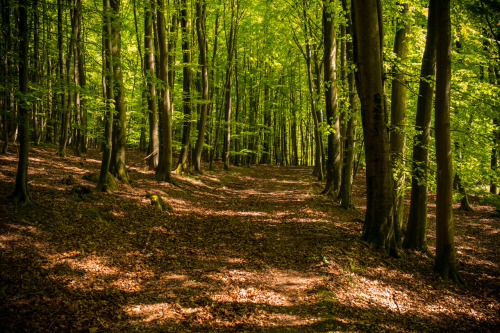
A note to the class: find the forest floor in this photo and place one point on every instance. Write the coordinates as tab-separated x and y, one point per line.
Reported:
250	249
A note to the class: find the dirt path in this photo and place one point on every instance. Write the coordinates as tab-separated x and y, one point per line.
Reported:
252	249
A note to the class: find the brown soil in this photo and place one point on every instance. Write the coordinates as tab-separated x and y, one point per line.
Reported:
250	249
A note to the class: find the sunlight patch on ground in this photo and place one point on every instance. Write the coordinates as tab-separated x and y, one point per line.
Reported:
8	238
93	264
128	285
157	312
260	317
251	295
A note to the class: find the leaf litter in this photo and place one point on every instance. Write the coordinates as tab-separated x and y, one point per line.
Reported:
249	249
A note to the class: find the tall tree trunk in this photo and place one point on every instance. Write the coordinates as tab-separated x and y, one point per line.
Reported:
163	172
21	194
494	156
318	167
203	62
415	237
149	65
102	184
350	135
63	106
334	162
182	165
82	78
6	69
379	221
228	87
118	151
398	120
444	263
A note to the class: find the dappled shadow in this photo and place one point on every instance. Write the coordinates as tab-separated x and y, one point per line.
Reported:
252	249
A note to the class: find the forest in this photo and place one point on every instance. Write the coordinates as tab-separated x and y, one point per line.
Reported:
249	165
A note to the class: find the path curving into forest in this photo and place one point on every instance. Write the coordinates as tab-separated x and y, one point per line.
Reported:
249	249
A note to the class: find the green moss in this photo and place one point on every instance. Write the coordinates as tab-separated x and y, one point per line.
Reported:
159	203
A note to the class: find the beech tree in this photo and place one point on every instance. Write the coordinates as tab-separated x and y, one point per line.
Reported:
334	162
378	228
444	263
416	233
21	194
165	156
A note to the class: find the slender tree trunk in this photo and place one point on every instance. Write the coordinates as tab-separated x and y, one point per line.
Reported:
118	151
149	67
415	237
6	79
21	194
350	133
379	221
318	168
398	120
163	172
334	163
82	78
494	156
63	106
228	87
445	263
102	184
182	165
203	62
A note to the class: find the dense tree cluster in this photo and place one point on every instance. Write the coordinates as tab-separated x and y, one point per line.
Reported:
271	82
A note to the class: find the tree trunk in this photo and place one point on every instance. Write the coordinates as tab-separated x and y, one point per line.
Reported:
21	194
82	78
107	74
182	165
6	68
118	151
202	43
444	263
149	64
398	120
318	167
350	135
228	87
415	237
63	106
163	172
494	157
334	162
379	221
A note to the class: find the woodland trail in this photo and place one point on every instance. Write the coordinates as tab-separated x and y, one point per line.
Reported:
252	249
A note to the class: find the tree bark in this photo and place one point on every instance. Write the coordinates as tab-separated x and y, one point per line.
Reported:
63	106
107	74
119	148
398	120
149	64
182	165
350	135
202	43
379	221
415	237
163	172
228	87
21	195
334	162
318	167
445	263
